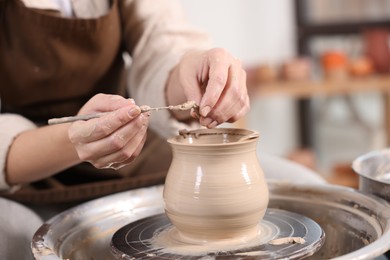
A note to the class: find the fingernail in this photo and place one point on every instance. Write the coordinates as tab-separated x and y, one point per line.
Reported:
134	111
206	121
213	124
205	111
131	100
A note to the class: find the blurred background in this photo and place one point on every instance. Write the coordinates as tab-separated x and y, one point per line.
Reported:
318	75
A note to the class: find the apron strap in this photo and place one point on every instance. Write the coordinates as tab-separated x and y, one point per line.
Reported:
2	8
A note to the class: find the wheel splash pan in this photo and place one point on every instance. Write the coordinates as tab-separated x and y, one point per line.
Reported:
357	226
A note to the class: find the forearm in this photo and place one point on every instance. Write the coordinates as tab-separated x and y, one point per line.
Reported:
39	153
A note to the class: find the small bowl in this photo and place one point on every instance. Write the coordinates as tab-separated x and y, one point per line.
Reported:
373	169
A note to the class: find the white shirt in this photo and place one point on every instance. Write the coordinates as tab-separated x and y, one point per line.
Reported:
156	32
72	8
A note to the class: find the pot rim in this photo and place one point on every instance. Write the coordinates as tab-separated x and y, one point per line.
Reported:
247	135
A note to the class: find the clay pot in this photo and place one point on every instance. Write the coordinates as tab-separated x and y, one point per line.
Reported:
215	188
297	69
377	48
266	73
335	65
361	66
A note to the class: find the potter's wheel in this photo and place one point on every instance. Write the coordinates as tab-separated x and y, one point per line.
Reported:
357	226
135	240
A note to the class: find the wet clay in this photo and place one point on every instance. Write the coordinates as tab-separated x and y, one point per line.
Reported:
181	107
215	192
287	240
169	241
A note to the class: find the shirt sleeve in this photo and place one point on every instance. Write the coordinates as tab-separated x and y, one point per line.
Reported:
11	125
157	34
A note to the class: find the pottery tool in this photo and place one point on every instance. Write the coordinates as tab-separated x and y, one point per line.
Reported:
144	108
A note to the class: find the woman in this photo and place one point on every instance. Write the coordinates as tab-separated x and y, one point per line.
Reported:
59	56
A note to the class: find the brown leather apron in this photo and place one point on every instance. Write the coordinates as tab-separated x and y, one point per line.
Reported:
50	66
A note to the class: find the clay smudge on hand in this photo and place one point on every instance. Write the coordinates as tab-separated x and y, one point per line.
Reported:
87	131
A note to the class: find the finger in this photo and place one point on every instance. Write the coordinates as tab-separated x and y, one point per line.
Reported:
227	104
125	155
106	103
114	142
243	107
235	96
117	166
241	113
233	101
217	79
95	129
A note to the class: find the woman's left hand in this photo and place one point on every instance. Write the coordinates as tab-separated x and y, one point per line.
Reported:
216	81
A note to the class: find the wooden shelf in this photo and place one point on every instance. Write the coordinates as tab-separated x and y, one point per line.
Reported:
308	89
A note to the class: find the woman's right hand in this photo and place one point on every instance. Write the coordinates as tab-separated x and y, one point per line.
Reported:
113	140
